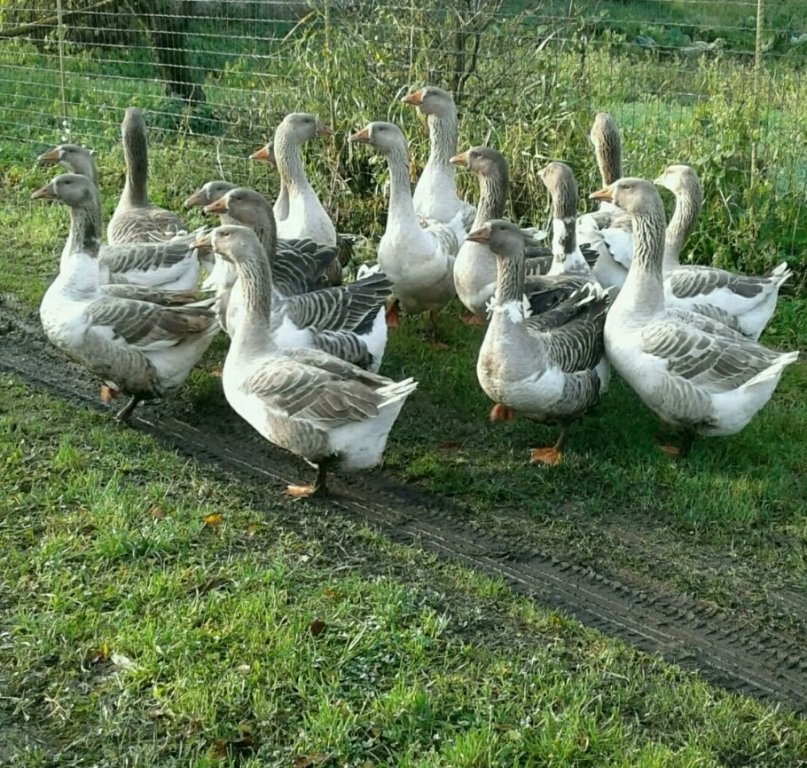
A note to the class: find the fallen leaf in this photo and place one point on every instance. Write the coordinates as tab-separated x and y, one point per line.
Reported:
123	662
214	518
156	512
252	529
309	761
316	627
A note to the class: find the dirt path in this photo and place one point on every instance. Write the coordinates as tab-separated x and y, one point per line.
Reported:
734	653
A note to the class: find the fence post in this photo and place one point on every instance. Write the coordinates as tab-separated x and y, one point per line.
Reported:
757	67
62	90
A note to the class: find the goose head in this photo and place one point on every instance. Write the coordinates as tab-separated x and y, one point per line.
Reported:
680	180
483	161
302	126
502	237
637	197
431	100
208	193
71	156
71	189
245	205
265	154
385	137
234	243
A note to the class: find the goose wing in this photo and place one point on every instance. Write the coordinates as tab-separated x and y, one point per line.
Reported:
705	352
299	265
144	257
148	326
691	281
155	295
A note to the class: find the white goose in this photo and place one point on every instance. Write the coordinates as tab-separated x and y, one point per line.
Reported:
75	158
692	371
135	219
745	302
309	402
418	261
347	321
548	367
435	197
143	349
306	216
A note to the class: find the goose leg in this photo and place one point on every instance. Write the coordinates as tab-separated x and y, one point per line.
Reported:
124	413
681	451
472	319
435	342
318	488
501	412
553	455
393	314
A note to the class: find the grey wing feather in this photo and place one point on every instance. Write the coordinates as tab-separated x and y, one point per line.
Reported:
156	296
687	282
543	293
705	352
300	265
120	259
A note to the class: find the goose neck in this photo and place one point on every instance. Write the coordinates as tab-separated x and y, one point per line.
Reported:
609	159
135	153
252	337
289	161
687	208
85	231
492	198
510	279
644	287
443	133
401	206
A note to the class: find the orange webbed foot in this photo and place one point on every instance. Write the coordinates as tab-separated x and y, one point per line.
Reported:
671	450
393	315
551	456
472	319
107	393
438	346
501	412
301	491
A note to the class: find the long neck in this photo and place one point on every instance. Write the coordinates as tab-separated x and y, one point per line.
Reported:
687	208
609	159
264	228
644	287
564	236
510	282
135	152
253	337
401	207
443	131
289	160
85	231
492	198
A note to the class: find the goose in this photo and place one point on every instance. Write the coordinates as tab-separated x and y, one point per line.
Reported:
691	370
138	347
435	197
135	219
167	266
475	271
549	367
75	158
303	400
306	216
347	321
608	229
208	193
567	257
419	261
744	302
266	154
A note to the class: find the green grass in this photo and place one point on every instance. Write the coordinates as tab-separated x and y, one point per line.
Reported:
155	614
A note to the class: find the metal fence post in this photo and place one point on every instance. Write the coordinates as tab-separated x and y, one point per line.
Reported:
62	90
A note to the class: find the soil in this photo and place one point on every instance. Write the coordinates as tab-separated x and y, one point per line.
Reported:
622	579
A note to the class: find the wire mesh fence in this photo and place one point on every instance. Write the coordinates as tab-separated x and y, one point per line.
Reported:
718	85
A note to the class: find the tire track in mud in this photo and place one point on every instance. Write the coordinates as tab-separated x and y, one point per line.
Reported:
680	628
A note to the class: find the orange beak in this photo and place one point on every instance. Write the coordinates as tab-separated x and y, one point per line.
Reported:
217	206
203	241
360	137
324	130
44	193
51	157
460	159
481	235
196	200
602	194
415	98
262	154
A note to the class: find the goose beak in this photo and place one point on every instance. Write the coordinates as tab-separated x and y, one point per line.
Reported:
51	157
203	241
217	206
460	159
44	193
262	154
360	137
324	130
481	235
659	180
196	200
602	194
415	99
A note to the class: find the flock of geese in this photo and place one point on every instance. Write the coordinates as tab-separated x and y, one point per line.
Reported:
305	350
